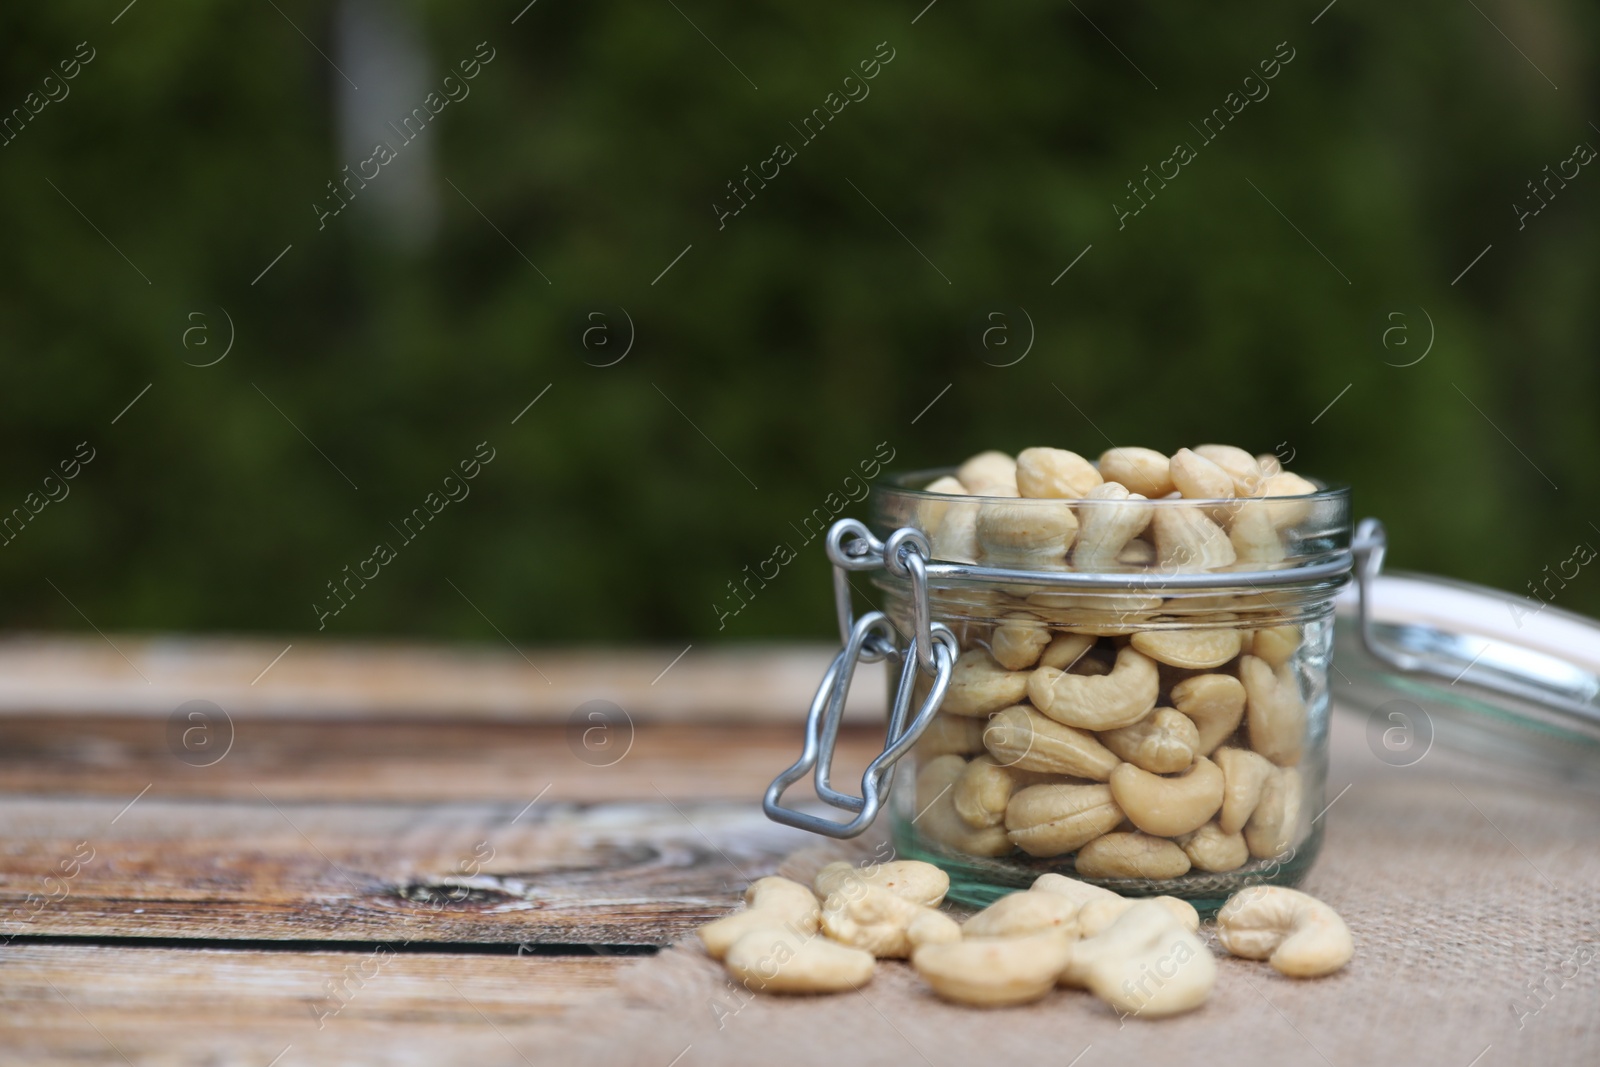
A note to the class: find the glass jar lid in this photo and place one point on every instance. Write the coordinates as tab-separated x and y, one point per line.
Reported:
1476	669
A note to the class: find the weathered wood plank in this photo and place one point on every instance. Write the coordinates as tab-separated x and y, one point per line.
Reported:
329	680
547	871
110	757
70	1004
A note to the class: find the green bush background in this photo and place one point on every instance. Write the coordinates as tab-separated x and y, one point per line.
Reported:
801	335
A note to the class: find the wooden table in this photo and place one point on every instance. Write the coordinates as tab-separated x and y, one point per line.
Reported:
398	855
433	856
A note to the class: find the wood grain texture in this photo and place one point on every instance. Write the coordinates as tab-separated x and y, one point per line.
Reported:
410	761
561	872
71	1004
330	680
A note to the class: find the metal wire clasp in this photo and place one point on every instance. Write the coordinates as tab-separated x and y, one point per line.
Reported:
932	650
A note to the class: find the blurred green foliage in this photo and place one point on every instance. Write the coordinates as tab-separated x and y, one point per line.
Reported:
800	336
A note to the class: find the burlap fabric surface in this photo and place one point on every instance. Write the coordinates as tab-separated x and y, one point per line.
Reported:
1472	896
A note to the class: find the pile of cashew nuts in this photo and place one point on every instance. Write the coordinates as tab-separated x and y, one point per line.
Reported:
1148	737
1142	957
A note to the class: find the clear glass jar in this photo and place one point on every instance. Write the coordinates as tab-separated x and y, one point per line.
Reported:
1141	695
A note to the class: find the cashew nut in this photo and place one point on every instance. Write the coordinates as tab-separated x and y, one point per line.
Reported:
1049	820
1018	640
1031	534
1241	466
1216	704
1272	826
1198	478
1137	553
1273	710
1189	648
772	903
1275	644
1166	807
931	513
1244	775
979	685
1297	933
1019	914
936	816
1054	472
783	961
1141	470
1146	963
918	882
987	470
994	971
1120	698
1108	525
1288	512
1022	738
883	923
1080	893
1188	540
1270	464
1095	917
1209	849
960	734
955	537
1163	742
1118	855
1065	649
1254	535
984	789
1099	614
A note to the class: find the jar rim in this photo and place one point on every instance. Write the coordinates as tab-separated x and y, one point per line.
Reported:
912	485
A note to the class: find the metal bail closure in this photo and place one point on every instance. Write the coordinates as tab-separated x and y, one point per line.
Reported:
932	651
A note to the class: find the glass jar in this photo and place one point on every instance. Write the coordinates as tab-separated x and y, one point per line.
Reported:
1133	693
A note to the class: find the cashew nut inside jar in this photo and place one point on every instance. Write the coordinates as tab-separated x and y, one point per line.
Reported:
1134	651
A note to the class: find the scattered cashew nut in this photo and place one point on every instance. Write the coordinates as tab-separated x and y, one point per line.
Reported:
1297	933
1146	963
1030	912
994	971
879	921
772	903
783	961
913	880
1095	917
1080	893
